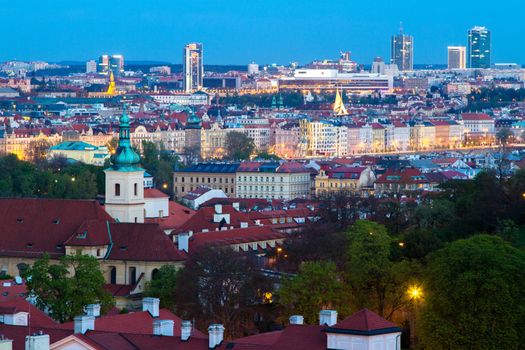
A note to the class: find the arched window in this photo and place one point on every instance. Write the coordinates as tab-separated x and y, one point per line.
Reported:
132	275
154	274
112	275
117	190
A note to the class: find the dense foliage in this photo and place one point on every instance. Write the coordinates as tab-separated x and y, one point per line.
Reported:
67	287
475	296
239	146
55	178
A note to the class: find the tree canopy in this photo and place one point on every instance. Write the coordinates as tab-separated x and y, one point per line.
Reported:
474	296
317	286
238	146
67	287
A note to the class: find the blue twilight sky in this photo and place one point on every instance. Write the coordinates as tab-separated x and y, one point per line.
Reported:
266	31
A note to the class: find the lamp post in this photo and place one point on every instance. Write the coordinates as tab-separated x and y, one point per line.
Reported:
415	294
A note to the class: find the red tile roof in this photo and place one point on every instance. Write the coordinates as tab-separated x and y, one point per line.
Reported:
154	193
31	227
476	116
129	241
19	304
178	215
135	323
203	219
365	321
233	236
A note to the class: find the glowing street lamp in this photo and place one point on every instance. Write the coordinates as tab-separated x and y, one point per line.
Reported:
415	292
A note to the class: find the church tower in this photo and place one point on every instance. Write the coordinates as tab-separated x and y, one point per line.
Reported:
125	180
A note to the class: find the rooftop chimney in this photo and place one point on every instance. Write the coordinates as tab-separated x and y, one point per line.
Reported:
185	330
82	324
93	310
215	335
327	317
183	241
163	327
151	305
296	319
218	208
38	341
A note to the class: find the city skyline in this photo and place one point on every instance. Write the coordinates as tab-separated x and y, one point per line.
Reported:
259	31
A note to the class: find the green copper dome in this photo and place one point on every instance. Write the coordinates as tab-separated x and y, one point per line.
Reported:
125	157
193	121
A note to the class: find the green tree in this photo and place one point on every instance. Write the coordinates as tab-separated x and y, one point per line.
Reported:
238	146
376	281
37	150
474	296
317	286
163	286
220	286
67	287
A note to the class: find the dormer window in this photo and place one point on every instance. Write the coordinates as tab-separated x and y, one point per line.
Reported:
30	245
20	220
82	235
56	221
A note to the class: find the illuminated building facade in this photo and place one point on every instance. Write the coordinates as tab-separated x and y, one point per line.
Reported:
193	68
332	80
402	51
479	48
457	57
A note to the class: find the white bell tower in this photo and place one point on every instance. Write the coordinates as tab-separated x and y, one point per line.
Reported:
125	180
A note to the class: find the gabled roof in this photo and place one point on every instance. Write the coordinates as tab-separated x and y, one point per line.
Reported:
203	219
129	240
135	323
233	236
364	322
31	227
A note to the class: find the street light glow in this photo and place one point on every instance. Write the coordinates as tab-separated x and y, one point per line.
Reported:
415	292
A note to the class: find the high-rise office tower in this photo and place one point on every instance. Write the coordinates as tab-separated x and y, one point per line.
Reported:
193	67
91	66
402	52
103	64
478	55
113	63
116	64
457	57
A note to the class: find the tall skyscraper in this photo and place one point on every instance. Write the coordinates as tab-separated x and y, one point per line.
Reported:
113	63
478	55
103	64
402	52
193	68
116	64
457	57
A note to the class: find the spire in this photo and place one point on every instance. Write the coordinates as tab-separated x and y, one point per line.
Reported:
111	88
339	106
124	156
274	102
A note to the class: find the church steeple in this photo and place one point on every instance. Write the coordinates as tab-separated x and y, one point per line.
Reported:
124	156
125	179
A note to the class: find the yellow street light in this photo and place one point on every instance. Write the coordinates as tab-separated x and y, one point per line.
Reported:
415	292
279	249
